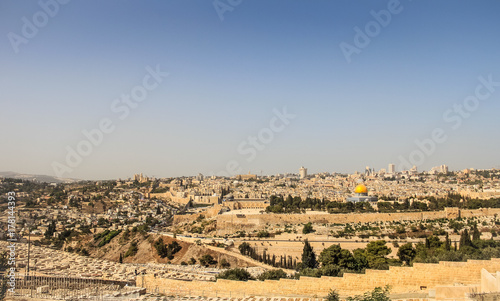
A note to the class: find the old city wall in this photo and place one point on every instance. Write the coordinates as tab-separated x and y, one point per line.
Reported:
401	279
209	213
250	222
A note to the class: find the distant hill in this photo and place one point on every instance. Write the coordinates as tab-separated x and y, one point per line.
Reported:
38	178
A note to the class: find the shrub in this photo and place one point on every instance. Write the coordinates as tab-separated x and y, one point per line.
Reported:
224	263
272	275
235	274
308	228
206	260
132	250
378	294
166	250
108	237
262	234
333	296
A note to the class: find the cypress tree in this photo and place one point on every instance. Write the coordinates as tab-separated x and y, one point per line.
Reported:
476	235
447	243
308	256
465	239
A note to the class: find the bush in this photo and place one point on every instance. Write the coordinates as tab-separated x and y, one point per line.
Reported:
333	296
224	263
109	235
235	274
166	250
262	234
245	248
378	294
132	250
206	260
272	275
308	228
308	272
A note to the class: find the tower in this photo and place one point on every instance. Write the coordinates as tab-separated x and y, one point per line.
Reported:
392	169
303	172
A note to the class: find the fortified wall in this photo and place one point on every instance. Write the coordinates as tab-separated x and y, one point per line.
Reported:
419	278
250	222
188	218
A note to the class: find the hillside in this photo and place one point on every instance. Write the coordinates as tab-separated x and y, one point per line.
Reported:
145	252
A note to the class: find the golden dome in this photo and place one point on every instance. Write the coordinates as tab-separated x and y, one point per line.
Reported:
361	189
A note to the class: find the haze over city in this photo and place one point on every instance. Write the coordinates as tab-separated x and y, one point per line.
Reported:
206	80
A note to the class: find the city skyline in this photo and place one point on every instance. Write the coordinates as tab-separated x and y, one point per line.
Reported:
106	90
301	173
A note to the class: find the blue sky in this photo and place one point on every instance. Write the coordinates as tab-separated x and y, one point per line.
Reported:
227	76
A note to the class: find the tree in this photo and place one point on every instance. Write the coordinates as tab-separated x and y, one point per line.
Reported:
161	248
50	230
263	234
272	275
360	259
166	250
207	260
335	255
120	260
330	255
476	235
308	256
245	248
235	274
308	228
447	243
331	270
465	240
407	253
377	248
224	263
333	296
375	254
132	250
433	242
378	294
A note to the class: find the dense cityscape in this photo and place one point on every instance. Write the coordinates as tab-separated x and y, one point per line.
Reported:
233	150
204	228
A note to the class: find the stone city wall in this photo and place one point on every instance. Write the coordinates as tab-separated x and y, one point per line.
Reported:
418	278
250	222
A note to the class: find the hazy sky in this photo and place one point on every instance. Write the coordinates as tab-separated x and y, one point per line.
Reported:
363	80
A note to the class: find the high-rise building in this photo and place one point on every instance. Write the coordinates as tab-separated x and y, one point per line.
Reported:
303	172
392	169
